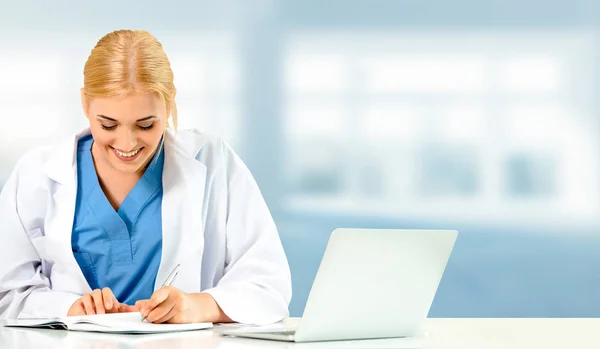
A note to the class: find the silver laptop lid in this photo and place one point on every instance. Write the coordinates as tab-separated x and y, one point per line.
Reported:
375	283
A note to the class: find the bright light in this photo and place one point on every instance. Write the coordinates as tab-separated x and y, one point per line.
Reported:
426	73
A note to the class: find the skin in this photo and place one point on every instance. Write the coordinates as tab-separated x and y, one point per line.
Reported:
129	124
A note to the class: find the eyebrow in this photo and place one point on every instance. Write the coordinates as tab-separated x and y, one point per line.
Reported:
138	120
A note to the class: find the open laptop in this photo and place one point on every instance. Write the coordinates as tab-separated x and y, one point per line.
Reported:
371	283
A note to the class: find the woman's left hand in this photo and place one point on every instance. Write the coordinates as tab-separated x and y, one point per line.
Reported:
171	305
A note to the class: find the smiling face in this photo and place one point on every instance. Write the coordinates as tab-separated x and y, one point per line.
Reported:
127	130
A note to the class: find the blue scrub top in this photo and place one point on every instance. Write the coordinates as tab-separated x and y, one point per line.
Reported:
118	249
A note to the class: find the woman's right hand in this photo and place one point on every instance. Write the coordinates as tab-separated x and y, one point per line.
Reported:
99	302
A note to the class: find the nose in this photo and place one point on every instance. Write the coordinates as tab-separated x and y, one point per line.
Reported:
126	141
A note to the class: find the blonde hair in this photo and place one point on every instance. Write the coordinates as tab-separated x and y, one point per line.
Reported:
125	61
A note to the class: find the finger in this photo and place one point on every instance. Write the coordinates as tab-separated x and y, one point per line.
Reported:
141	303
98	301
161	311
169	317
109	299
77	309
82	307
157	298
141	306
88	304
125	308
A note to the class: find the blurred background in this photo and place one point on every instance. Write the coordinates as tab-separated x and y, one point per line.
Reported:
480	116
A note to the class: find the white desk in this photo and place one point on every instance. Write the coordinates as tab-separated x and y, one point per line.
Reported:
438	333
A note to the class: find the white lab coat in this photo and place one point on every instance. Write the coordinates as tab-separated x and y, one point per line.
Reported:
215	223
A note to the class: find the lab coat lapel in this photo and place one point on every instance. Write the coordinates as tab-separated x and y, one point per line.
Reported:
182	232
62	169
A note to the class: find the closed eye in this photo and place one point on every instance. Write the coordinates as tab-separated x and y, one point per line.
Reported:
108	128
145	128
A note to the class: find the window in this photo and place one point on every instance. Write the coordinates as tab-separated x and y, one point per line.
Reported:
458	125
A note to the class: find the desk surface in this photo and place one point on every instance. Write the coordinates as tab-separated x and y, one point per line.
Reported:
437	333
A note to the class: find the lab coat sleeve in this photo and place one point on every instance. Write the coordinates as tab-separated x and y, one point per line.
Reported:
24	290
256	286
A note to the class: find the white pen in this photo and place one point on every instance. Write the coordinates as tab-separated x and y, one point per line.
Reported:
168	281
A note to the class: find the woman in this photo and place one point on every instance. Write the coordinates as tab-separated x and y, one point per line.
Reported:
96	223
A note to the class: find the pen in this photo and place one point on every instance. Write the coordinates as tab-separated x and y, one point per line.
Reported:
168	281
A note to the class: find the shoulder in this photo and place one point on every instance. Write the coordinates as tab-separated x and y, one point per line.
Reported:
212	151
193	141
209	149
53	161
29	184
32	165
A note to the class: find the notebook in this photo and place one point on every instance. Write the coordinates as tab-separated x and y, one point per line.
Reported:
110	323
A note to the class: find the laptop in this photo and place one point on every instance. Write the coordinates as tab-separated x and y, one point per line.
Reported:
371	283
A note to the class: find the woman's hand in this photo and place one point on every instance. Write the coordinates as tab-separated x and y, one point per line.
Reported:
99	302
171	305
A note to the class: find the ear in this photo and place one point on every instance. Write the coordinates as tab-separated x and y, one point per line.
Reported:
85	104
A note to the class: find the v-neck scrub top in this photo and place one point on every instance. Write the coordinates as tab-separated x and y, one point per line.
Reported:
118	249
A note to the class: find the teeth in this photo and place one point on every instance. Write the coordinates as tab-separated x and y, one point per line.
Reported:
127	155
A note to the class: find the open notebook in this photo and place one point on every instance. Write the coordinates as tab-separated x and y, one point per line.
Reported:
113	323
